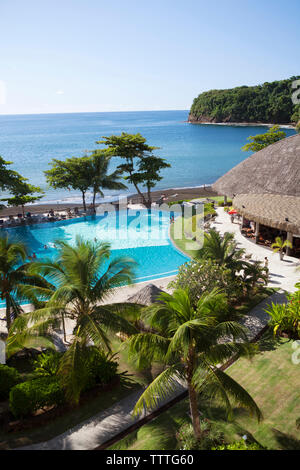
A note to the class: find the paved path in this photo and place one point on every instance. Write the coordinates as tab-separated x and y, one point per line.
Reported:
100	428
282	274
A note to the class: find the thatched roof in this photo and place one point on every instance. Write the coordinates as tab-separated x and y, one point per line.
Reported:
275	170
271	210
146	296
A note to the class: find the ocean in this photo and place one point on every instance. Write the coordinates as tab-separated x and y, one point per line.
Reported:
198	154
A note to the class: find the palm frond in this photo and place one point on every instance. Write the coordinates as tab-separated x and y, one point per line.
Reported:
162	387
72	369
217	384
146	348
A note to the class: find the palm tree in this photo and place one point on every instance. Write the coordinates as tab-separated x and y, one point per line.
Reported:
221	249
188	342
99	163
279	245
84	278
17	284
252	274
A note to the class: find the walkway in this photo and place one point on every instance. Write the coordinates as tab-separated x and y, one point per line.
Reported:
282	274
101	427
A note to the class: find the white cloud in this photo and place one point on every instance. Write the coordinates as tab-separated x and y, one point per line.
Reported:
60	92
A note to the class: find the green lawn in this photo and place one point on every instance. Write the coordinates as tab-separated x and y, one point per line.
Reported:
273	381
181	241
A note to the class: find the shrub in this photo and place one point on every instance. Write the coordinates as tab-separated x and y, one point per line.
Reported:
239	445
222	204
9	377
102	369
201	275
47	364
211	436
30	396
285	318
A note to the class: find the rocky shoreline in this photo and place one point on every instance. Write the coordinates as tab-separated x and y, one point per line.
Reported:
209	121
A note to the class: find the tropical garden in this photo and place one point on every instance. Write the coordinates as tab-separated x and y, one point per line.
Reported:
78	343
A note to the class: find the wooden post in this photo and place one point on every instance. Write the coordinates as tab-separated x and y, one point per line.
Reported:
256	231
225	200
290	239
2	351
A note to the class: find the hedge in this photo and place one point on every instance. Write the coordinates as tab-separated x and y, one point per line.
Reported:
28	397
9	377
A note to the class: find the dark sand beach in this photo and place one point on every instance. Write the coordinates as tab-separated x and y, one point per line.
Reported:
175	194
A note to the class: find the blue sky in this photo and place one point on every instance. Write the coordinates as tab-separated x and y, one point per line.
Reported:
117	55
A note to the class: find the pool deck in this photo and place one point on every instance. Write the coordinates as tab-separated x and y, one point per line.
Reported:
120	294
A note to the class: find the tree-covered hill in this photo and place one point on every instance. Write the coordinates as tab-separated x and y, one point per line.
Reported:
267	103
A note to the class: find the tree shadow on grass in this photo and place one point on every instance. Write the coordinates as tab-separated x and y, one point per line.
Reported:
286	441
268	342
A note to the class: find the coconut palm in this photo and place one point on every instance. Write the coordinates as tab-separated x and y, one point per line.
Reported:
221	249
98	167
188	342
17	284
84	277
280	245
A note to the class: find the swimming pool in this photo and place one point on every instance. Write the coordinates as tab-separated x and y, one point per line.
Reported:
141	235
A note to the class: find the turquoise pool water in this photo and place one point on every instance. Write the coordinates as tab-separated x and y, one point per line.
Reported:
140	235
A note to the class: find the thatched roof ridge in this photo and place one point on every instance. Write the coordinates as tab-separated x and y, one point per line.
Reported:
146	296
274	170
271	210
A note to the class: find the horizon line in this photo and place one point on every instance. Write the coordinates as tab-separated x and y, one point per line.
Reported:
94	112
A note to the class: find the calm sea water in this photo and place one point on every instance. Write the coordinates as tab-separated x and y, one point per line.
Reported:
199	154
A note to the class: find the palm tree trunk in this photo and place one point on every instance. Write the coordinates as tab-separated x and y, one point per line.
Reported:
94	200
194	411
64	327
193	394
8	312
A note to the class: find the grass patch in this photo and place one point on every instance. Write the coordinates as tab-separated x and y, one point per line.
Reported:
179	234
185	232
272	380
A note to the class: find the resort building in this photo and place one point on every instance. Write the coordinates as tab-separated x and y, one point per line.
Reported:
265	189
